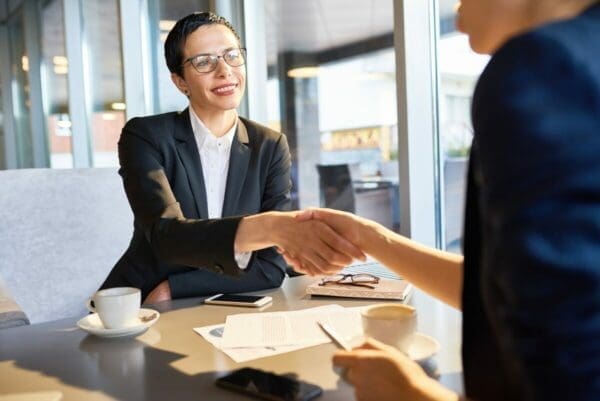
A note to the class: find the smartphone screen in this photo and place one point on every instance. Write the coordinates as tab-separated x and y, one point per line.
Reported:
238	300
269	386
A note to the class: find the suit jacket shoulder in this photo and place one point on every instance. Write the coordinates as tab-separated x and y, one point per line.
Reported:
154	128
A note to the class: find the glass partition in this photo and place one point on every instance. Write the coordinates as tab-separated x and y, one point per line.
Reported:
104	69
163	15
55	68
2	149
19	63
332	90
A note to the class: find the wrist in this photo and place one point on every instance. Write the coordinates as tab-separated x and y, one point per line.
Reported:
428	389
273	225
370	234
256	232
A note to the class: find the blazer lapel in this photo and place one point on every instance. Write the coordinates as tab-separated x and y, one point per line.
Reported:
238	167
188	153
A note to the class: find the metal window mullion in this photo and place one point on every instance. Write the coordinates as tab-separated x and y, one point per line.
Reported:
39	137
416	121
10	142
79	107
136	56
256	66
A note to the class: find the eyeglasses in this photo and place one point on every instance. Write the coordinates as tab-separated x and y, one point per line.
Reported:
360	280
203	63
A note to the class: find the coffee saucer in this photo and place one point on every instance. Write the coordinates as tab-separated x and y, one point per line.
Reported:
422	347
92	324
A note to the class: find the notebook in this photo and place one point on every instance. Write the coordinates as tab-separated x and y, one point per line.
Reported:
386	289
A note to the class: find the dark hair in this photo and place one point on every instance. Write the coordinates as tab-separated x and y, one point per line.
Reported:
184	28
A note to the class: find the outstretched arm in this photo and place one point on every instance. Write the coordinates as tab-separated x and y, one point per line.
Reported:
437	272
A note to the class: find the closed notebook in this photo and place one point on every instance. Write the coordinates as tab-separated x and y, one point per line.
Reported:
385	289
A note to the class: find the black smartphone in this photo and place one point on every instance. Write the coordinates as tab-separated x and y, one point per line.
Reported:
269	386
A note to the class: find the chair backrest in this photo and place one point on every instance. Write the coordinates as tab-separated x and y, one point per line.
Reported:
61	232
335	187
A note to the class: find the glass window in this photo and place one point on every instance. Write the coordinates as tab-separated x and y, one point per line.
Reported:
104	76
459	68
167	13
20	92
332	90
2	149
55	68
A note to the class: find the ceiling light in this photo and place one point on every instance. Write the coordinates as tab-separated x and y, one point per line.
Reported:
304	72
60	60
61	69
118	106
63	124
166	25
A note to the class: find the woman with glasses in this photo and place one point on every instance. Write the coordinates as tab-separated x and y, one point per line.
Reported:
188	175
529	282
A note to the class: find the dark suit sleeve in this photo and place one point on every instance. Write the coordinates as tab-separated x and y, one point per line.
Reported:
174	239
266	268
537	119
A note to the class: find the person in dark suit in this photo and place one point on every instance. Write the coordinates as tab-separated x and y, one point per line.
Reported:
190	177
529	283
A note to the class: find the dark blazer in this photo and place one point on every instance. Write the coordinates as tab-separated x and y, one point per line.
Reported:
172	237
531	297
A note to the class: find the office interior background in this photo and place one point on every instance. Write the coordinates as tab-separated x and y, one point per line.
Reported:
374	95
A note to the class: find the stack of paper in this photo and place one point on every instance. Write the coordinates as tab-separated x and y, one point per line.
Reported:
250	336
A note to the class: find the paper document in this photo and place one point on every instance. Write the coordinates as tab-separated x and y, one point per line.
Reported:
347	323
213	334
258	335
276	328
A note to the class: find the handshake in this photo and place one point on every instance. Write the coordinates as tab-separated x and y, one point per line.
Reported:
314	241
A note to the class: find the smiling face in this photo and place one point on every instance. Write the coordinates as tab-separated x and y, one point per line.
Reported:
490	23
221	90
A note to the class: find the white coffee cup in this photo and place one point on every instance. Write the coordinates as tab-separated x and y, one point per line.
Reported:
117	307
392	324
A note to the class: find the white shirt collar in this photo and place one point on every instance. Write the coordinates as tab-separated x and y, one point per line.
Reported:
201	132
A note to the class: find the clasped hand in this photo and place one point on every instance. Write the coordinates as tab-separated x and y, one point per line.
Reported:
322	241
312	246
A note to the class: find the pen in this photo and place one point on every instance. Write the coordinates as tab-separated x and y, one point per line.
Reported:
334	335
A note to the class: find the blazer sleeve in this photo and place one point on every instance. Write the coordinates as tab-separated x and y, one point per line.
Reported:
537	124
266	268
174	238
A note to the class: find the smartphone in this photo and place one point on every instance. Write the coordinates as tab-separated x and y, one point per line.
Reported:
255	301
269	386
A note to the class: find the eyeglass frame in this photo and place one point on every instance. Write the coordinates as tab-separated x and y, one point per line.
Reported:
370	284
212	55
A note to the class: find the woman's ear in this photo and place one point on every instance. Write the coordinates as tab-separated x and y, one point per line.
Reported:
180	84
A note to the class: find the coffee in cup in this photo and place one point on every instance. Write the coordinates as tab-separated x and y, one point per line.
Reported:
117	307
392	324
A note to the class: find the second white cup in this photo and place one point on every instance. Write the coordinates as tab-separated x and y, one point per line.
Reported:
117	307
392	324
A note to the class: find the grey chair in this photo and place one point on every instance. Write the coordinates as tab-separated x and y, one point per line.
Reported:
61	231
339	190
11	314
